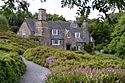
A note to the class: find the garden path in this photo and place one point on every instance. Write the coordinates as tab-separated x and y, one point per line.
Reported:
34	73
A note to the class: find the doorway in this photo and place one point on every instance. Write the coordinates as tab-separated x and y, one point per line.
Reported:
68	46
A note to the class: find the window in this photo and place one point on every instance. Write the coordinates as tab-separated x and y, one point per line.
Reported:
91	39
54	32
78	47
77	35
23	33
56	42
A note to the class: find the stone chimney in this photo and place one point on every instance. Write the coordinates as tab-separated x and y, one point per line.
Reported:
42	30
85	31
42	14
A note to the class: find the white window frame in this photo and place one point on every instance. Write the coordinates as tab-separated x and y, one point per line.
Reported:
77	35
23	33
55	32
79	48
56	42
91	39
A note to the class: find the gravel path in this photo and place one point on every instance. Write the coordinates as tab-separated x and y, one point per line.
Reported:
34	73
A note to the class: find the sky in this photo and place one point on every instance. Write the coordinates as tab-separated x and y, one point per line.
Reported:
54	7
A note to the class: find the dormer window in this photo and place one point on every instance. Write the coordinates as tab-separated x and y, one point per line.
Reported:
77	35
73	24
55	32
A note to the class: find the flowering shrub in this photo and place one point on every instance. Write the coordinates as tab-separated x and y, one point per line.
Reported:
50	60
85	77
77	67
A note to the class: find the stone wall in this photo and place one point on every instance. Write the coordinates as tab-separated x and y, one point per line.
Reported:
24	31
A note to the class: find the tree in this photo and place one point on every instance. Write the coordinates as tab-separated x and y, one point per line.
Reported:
55	17
51	17
10	8
117	44
101	30
85	6
4	26
12	11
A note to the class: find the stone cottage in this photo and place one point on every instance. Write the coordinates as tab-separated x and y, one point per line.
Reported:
59	34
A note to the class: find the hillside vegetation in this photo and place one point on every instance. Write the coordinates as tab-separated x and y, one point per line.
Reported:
11	64
72	67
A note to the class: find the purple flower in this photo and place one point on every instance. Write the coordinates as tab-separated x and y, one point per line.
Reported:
50	59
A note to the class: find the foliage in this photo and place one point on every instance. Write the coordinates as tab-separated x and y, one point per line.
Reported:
86	6
9	7
99	47
89	47
18	18
116	46
11	64
18	41
15	11
67	61
43	55
4	23
101	31
55	17
98	76
11	67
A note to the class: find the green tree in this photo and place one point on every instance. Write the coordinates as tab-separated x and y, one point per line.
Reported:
55	17
51	17
4	26
100	30
85	6
12	11
117	45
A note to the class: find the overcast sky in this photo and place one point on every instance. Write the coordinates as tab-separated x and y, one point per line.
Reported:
54	7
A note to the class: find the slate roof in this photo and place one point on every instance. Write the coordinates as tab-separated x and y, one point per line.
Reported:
58	25
61	26
31	24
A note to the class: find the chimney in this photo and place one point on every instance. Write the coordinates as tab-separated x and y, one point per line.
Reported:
85	25
85	30
42	14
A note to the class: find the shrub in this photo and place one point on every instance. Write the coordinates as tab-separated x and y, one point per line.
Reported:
3	23
70	59
11	67
89	47
78	77
99	47
64	65
11	64
18	41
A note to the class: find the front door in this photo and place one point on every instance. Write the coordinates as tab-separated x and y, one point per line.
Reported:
68	46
